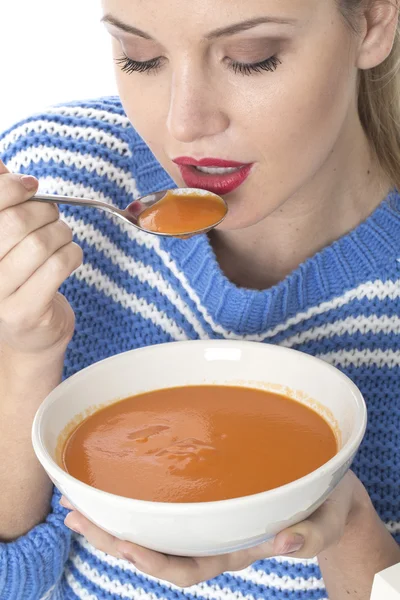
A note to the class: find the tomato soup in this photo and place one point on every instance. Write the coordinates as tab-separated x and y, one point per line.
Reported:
198	444
178	213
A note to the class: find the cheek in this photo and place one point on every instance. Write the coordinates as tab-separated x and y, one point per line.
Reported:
148	116
300	118
140	95
138	103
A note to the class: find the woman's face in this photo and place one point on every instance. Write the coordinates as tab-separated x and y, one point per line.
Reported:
268	84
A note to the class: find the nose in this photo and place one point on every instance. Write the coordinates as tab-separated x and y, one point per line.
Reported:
195	109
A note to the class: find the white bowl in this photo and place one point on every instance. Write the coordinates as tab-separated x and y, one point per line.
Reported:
207	528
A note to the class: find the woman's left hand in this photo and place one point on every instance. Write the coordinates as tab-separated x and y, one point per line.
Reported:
305	540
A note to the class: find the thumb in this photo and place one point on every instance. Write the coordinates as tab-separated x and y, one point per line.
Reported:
323	529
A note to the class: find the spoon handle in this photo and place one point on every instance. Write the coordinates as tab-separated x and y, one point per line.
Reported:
77	202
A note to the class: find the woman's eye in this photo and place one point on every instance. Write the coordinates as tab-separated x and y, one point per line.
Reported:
128	65
270	64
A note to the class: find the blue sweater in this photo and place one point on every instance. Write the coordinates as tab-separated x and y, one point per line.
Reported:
134	290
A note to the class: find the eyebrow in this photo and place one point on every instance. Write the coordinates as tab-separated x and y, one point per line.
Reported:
217	33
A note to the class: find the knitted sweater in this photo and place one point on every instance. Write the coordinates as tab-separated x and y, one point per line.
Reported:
134	289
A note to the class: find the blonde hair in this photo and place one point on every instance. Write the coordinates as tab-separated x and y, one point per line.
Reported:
379	101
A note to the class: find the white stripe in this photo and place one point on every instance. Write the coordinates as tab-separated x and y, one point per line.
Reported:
49	593
358	358
69	188
393	527
93	164
89	113
94	277
290	561
284	583
349	326
371	290
66	187
134	268
250	574
112	142
76	587
124	262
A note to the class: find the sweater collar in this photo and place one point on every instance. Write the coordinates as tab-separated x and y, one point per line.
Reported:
362	255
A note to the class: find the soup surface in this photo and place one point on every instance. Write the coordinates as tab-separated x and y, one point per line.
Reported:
198	444
177	213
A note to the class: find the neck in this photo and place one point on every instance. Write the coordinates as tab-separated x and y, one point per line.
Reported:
344	192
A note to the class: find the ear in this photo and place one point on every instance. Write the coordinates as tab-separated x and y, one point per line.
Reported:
379	30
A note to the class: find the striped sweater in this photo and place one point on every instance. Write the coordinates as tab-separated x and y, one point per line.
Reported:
134	289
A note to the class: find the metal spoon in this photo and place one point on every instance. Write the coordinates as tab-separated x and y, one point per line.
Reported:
133	211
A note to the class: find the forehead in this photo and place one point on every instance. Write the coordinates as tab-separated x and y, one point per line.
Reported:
198	17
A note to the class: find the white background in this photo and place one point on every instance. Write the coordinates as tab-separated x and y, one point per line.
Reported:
51	51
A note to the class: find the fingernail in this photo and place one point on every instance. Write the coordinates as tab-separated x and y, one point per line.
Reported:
30	183
294	544
64	502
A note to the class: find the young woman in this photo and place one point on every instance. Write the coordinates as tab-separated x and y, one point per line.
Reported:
289	108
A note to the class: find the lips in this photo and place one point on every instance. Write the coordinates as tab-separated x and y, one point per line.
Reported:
224	176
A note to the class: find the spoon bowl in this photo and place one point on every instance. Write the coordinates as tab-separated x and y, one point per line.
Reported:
132	213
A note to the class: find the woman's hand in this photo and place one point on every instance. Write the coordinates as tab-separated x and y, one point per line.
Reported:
36	323
36	255
308	539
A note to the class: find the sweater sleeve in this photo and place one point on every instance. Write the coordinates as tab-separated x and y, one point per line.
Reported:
73	144
33	565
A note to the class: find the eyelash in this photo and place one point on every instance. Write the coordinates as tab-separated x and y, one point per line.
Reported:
270	64
130	66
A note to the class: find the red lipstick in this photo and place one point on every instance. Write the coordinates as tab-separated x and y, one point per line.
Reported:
218	182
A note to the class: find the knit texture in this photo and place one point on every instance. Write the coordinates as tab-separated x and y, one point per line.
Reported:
134	289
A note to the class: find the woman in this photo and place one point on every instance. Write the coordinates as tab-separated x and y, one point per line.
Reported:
295	103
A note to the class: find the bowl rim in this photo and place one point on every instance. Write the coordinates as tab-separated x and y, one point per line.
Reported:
345	454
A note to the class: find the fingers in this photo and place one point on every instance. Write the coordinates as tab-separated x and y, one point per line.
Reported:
180	571
17	222
25	258
177	570
100	539
37	255
97	537
323	529
15	188
30	302
66	503
310	537
305	540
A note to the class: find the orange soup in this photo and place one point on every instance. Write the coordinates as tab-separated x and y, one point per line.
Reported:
198	444
177	213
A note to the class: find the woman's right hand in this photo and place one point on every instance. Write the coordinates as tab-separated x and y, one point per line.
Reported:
36	255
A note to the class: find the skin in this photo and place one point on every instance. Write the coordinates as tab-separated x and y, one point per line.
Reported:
314	179
36	324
